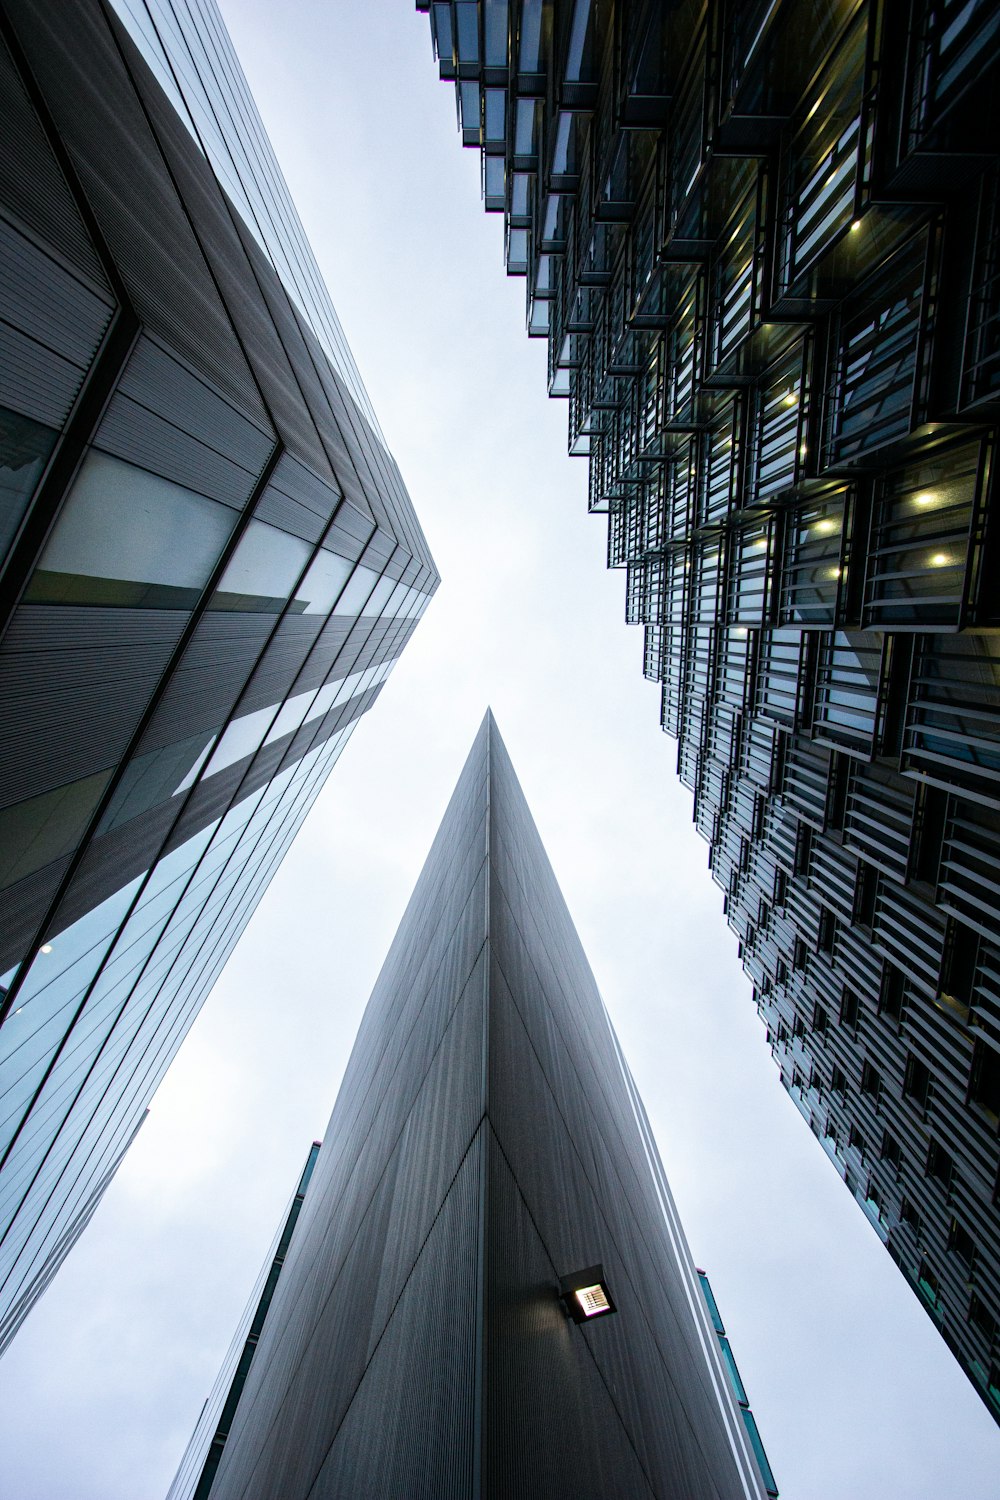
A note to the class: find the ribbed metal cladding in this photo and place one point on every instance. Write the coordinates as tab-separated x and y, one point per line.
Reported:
484	1144
209	564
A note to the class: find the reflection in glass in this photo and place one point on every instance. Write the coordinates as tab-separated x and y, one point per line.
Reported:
116	540
24	447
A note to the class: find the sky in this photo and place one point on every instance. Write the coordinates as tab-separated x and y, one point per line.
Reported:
853	1390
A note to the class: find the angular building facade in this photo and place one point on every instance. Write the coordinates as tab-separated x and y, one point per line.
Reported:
488	1158
209	567
763	241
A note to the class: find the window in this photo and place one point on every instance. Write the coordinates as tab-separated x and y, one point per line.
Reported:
849	1007
264	569
939	1164
961	1244
827	930
821	1019
865	892
908	1215
803	848
928	833
856	1140
836	796
890	1000
838	1081
917	1082
799	954
984	1086
871	1081
24	447
958	968
891	1151
115	542
981	1317
873	1196
929	1285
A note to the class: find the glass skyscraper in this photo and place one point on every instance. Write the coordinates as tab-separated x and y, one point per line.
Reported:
488	1291
761	238
210	566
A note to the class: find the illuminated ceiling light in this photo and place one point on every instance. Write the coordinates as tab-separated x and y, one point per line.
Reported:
940	560
790	398
855	226
926	498
761	542
826	526
46	948
740	631
834	573
586	1295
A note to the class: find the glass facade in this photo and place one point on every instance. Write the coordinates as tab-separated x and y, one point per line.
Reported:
210	567
761	239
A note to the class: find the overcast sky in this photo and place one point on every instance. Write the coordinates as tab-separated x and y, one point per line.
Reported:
854	1392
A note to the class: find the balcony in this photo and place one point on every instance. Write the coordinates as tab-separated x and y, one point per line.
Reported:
848	676
876	395
923	563
825	166
952	731
814	560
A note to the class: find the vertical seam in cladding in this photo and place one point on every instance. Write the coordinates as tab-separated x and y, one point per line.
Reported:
396	1139
478	1394
392	1312
666	1367
586	1342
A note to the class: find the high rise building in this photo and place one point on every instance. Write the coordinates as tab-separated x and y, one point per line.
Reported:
761	237
210	566
488	1292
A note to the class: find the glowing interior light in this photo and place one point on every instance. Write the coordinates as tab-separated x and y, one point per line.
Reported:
761	542
825	526
46	947
740	632
940	560
834	572
790	398
592	1300
855	226
926	498
803	450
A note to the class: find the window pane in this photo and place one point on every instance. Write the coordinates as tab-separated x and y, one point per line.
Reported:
262	571
322	583
116	541
24	447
